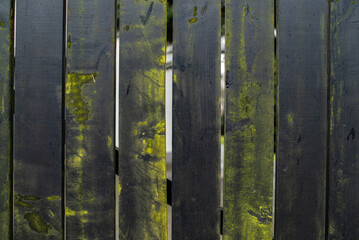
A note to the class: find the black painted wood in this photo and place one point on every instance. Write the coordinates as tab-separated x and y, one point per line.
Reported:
302	119
90	119
196	120
344	99
38	120
142	140
6	83
248	172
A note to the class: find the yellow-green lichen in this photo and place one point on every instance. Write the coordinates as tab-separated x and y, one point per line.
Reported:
69	212
53	198
164	2
194	18
242	49
37	223
249	115
290	119
74	95
20	200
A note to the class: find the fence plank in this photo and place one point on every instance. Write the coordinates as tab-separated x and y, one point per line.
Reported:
6	67
302	132
38	120
249	142
196	119
142	150
90	106
344	171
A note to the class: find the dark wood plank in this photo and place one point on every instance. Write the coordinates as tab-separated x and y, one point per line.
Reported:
38	120
248	178
142	141
6	83
302	119
90	119
344	169
196	119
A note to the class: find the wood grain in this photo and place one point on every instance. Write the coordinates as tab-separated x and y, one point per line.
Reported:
196	120
142	140
302	119
90	119
344	88
6	85
38	120
249	141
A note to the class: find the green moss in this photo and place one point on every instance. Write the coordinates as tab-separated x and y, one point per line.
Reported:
2	24
74	95
36	222
194	19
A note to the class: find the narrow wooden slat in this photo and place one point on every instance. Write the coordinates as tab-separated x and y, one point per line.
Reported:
90	106
196	119
6	67
344	169
142	150
302	126
38	120
248	179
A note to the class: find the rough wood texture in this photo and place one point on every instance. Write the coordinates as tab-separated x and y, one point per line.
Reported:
142	149
38	120
6	67
90	134
248	184
196	119
344	168
302	126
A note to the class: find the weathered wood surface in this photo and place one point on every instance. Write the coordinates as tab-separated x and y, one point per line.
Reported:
302	119
6	81
38	120
248	178
142	150
196	120
344	99
90	106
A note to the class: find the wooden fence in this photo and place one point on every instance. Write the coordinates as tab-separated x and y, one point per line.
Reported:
292	96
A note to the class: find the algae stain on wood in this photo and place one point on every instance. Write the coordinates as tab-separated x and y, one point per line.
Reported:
194	19
37	223
142	152
249	120
343	208
80	106
76	102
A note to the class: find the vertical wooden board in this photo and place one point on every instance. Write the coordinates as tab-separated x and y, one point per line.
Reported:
90	120
38	120
6	53
344	151
196	119
248	184
302	119
142	146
